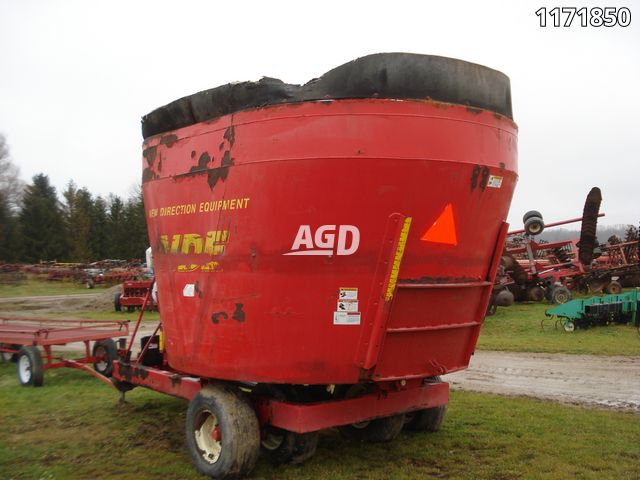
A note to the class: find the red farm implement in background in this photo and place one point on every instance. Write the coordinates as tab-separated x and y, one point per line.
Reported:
133	294
532	270
323	253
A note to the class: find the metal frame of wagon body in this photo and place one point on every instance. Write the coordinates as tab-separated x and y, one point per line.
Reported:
47	333
389	396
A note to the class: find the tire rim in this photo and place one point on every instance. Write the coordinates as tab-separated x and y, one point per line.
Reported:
361	425
6	356
24	369
272	439
101	364
569	326
208	437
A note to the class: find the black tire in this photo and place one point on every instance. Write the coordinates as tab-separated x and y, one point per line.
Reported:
535	294
131	308
613	288
530	214
560	294
89	283
589	227
379	430
107	353
223	411
29	367
427	419
280	446
534	226
116	302
505	298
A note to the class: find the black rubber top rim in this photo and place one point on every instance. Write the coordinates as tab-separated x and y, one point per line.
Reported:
381	75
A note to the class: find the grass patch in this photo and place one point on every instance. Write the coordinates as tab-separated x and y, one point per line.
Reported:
73	428
35	285
517	328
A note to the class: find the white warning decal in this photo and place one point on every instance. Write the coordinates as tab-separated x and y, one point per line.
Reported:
495	181
347	293
347	306
189	290
346	318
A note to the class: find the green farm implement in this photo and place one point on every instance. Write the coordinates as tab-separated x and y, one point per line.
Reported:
585	313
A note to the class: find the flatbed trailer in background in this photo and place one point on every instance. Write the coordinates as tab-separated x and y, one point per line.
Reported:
21	339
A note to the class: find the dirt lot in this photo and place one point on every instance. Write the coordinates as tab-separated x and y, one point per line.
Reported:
612	382
604	381
56	304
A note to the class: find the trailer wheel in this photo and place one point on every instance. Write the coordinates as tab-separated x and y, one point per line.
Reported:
560	294
568	326
614	288
29	367
282	446
89	283
223	435
116	302
105	352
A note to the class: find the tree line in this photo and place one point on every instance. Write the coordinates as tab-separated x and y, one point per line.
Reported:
35	224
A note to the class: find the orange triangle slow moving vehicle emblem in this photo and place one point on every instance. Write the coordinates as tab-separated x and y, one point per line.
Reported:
443	229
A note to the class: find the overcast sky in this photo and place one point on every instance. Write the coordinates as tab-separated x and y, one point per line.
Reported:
76	76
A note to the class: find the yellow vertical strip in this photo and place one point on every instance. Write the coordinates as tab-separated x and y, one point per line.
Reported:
397	260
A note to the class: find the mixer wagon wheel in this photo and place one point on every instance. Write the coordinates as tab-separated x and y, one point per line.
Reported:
29	367
117	306
105	352
427	419
282	446
379	430
223	436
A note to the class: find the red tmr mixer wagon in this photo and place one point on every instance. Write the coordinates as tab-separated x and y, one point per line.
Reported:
323	253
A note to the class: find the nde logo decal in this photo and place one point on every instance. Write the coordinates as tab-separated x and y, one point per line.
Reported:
326	240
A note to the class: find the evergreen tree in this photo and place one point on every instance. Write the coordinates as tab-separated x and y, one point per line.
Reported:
117	237
99	229
136	227
42	223
10	244
78	207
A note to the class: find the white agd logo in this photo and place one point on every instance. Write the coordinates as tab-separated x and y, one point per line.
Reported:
327	240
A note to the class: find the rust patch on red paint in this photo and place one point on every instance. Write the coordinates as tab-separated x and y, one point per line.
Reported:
169	140
150	154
